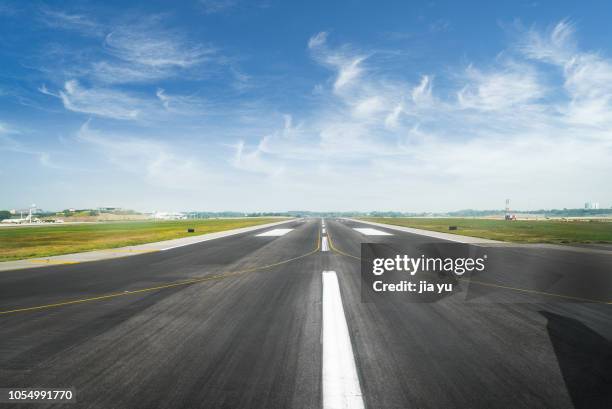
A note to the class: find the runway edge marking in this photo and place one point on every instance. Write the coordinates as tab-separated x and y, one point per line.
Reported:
341	387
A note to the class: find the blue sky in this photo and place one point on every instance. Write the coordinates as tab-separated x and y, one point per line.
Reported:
269	105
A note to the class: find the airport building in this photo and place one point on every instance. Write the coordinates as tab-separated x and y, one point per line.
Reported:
591	205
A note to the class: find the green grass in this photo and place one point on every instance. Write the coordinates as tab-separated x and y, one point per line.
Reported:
519	231
40	241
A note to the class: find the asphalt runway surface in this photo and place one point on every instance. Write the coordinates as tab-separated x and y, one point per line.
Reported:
237	322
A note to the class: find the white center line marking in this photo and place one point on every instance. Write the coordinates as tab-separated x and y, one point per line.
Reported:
324	244
324	230
368	231
341	388
275	232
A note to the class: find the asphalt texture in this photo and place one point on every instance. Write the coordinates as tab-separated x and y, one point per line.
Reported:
236	323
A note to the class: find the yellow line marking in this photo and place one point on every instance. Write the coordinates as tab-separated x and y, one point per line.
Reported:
161	287
331	245
43	261
525	290
492	284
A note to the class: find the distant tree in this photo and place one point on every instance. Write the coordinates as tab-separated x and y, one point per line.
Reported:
5	214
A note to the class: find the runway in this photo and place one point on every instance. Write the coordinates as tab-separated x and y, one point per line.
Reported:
245	321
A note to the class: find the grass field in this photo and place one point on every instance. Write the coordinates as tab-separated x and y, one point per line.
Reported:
40	241
519	231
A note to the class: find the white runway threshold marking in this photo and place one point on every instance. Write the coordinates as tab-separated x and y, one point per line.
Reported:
368	231
324	244
275	232
341	388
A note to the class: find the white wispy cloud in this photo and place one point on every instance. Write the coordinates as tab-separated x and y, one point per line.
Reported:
146	51
587	74
71	21
440	26
159	48
502	88
392	118
6	141
9	10
116	104
255	160
156	162
181	104
101	102
109	72
242	81
165	99
217	6
10	143
556	45
129	50
348	70
317	40
421	93
347	65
